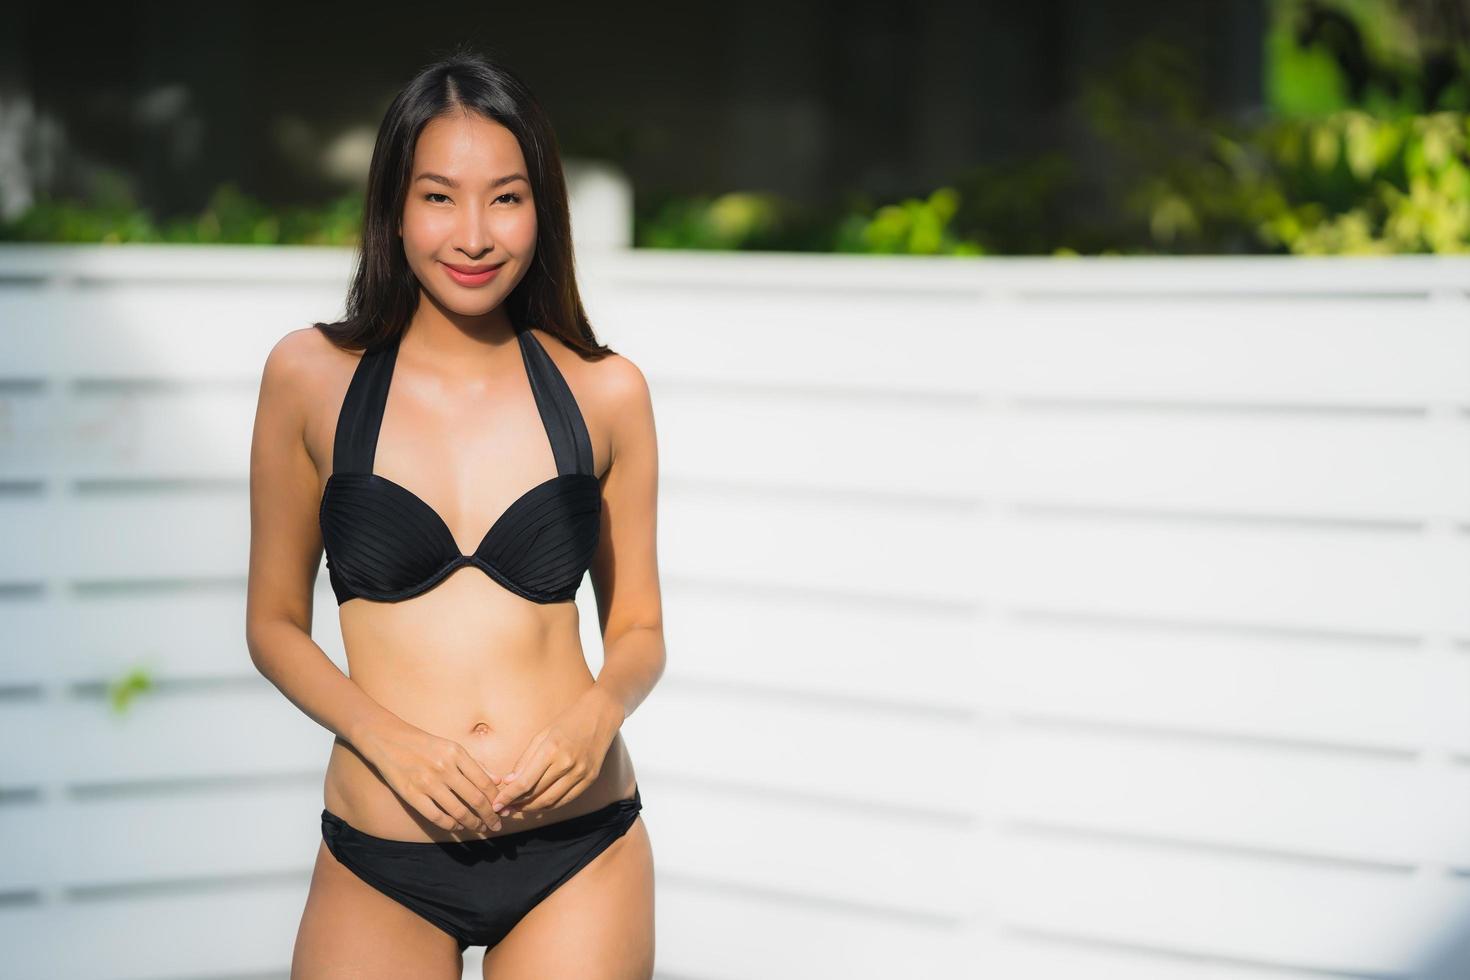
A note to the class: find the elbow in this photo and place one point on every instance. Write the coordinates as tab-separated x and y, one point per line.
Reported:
254	644
261	636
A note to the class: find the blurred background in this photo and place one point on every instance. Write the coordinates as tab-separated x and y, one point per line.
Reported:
1064	417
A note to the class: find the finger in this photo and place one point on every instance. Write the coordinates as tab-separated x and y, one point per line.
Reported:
475	798
458	811
523	779
559	793
532	798
471	767
507	791
429	808
474	785
549	774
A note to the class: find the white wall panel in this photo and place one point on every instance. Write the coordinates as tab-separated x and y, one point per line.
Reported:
1026	618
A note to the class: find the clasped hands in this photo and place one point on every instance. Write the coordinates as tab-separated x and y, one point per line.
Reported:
444	783
561	760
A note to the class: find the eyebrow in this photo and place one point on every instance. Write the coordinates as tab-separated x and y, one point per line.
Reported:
450	182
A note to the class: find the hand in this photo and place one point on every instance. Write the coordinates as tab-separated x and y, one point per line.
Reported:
436	776
563	759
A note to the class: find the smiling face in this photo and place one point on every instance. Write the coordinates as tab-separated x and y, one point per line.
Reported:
468	205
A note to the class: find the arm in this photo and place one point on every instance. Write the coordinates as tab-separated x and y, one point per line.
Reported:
434	775
567	756
625	567
285	552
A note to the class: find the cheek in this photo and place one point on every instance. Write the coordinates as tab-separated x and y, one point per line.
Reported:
423	228
520	234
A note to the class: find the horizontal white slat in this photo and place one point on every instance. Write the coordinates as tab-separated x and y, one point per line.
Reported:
1268	463
1331	577
173	631
829	339
247	729
769	840
796	437
1359	352
772	642
144	330
687	730
1346	465
791	640
684	732
1268	910
1147	572
168	834
236	929
827	751
758	536
727	933
1325	690
1447	704
1074	278
703	931
1247	796
1039	956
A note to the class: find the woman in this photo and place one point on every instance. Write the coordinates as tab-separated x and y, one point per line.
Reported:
464	451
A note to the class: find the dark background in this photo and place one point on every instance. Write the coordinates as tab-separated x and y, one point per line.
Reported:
807	98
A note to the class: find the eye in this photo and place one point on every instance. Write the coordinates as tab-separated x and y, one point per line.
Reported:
434	194
511	194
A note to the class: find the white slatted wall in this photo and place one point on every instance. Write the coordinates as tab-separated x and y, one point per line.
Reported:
1027	619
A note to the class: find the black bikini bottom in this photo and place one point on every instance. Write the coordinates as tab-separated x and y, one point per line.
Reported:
478	889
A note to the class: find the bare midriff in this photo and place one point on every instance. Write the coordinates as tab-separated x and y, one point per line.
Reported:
471	661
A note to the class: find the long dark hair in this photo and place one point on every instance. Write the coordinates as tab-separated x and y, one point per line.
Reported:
384	291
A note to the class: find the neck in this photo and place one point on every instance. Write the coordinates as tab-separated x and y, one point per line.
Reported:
441	335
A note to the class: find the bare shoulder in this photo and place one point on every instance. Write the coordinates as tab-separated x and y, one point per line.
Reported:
305	375
302	365
613	384
293	359
618	384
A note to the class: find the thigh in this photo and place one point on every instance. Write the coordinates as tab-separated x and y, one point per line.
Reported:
350	929
597	925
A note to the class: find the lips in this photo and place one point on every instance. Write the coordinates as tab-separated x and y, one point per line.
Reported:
471	275
473	270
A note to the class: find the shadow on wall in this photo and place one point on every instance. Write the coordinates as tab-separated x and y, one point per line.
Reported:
1449	957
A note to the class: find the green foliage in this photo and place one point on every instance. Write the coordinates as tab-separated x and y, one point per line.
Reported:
1348	183
121	692
754	221
230	217
1301	81
1362	149
913	226
1351	183
1391	58
1317	176
730	221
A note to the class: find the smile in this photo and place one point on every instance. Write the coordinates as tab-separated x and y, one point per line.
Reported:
466	275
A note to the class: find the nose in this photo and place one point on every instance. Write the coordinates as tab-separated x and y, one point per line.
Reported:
474	234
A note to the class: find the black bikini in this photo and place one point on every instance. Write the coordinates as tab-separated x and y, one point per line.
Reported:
478	889
385	544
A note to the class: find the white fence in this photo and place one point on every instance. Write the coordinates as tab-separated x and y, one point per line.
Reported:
1027	619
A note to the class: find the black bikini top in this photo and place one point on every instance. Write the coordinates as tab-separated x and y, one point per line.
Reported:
384	543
